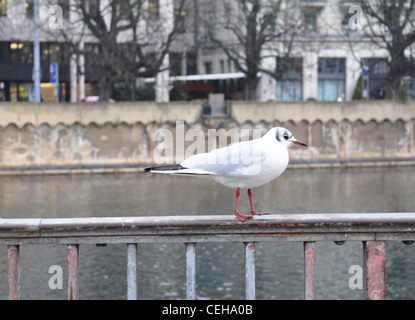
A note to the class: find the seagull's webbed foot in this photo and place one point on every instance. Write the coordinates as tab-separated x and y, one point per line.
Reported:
242	217
259	213
253	212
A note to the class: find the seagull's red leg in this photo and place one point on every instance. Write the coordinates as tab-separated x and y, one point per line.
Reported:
237	214
252	205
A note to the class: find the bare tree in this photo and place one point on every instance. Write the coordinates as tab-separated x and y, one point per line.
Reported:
132	39
249	31
390	25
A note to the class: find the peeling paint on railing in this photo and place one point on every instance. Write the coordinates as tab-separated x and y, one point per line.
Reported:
372	229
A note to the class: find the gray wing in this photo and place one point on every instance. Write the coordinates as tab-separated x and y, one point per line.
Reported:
236	159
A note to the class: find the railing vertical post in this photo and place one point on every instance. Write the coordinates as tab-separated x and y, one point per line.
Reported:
309	263
13	257
375	275
132	271
73	259
250	270
190	271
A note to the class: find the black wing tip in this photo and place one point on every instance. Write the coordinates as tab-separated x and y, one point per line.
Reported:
169	167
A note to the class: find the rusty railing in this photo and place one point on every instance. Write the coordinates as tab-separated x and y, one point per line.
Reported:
373	229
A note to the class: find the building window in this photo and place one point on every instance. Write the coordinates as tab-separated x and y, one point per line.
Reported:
377	73
222	66
409	86
124	9
153	9
330	90
379	67
44	54
269	22
208	67
21	52
92	7
4	52
2	91
331	78
333	67
59	53
3	8
23	91
29	9
191	62
289	90
175	60
54	53
180	20
310	21
64	4
290	73
91	52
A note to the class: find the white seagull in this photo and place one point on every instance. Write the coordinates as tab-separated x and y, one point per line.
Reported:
243	165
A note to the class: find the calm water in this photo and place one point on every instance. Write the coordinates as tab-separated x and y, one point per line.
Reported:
220	267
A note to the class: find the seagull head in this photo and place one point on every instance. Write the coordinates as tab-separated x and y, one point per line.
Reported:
286	138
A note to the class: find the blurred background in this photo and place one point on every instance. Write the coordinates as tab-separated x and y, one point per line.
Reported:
280	50
85	86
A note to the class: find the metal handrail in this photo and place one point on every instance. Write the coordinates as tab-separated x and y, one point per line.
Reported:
370	228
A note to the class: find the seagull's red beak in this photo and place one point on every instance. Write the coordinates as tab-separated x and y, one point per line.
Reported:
300	143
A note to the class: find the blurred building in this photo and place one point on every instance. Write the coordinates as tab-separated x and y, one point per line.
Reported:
63	42
16	54
330	55
327	59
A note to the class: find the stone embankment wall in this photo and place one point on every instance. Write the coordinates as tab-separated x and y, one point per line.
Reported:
121	135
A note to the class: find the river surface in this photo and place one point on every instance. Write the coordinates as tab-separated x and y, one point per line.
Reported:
220	266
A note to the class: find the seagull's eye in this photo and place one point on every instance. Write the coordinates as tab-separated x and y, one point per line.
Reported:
286	137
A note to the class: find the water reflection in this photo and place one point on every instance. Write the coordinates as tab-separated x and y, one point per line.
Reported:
220	267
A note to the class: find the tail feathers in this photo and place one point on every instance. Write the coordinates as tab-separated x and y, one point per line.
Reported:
165	168
177	169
